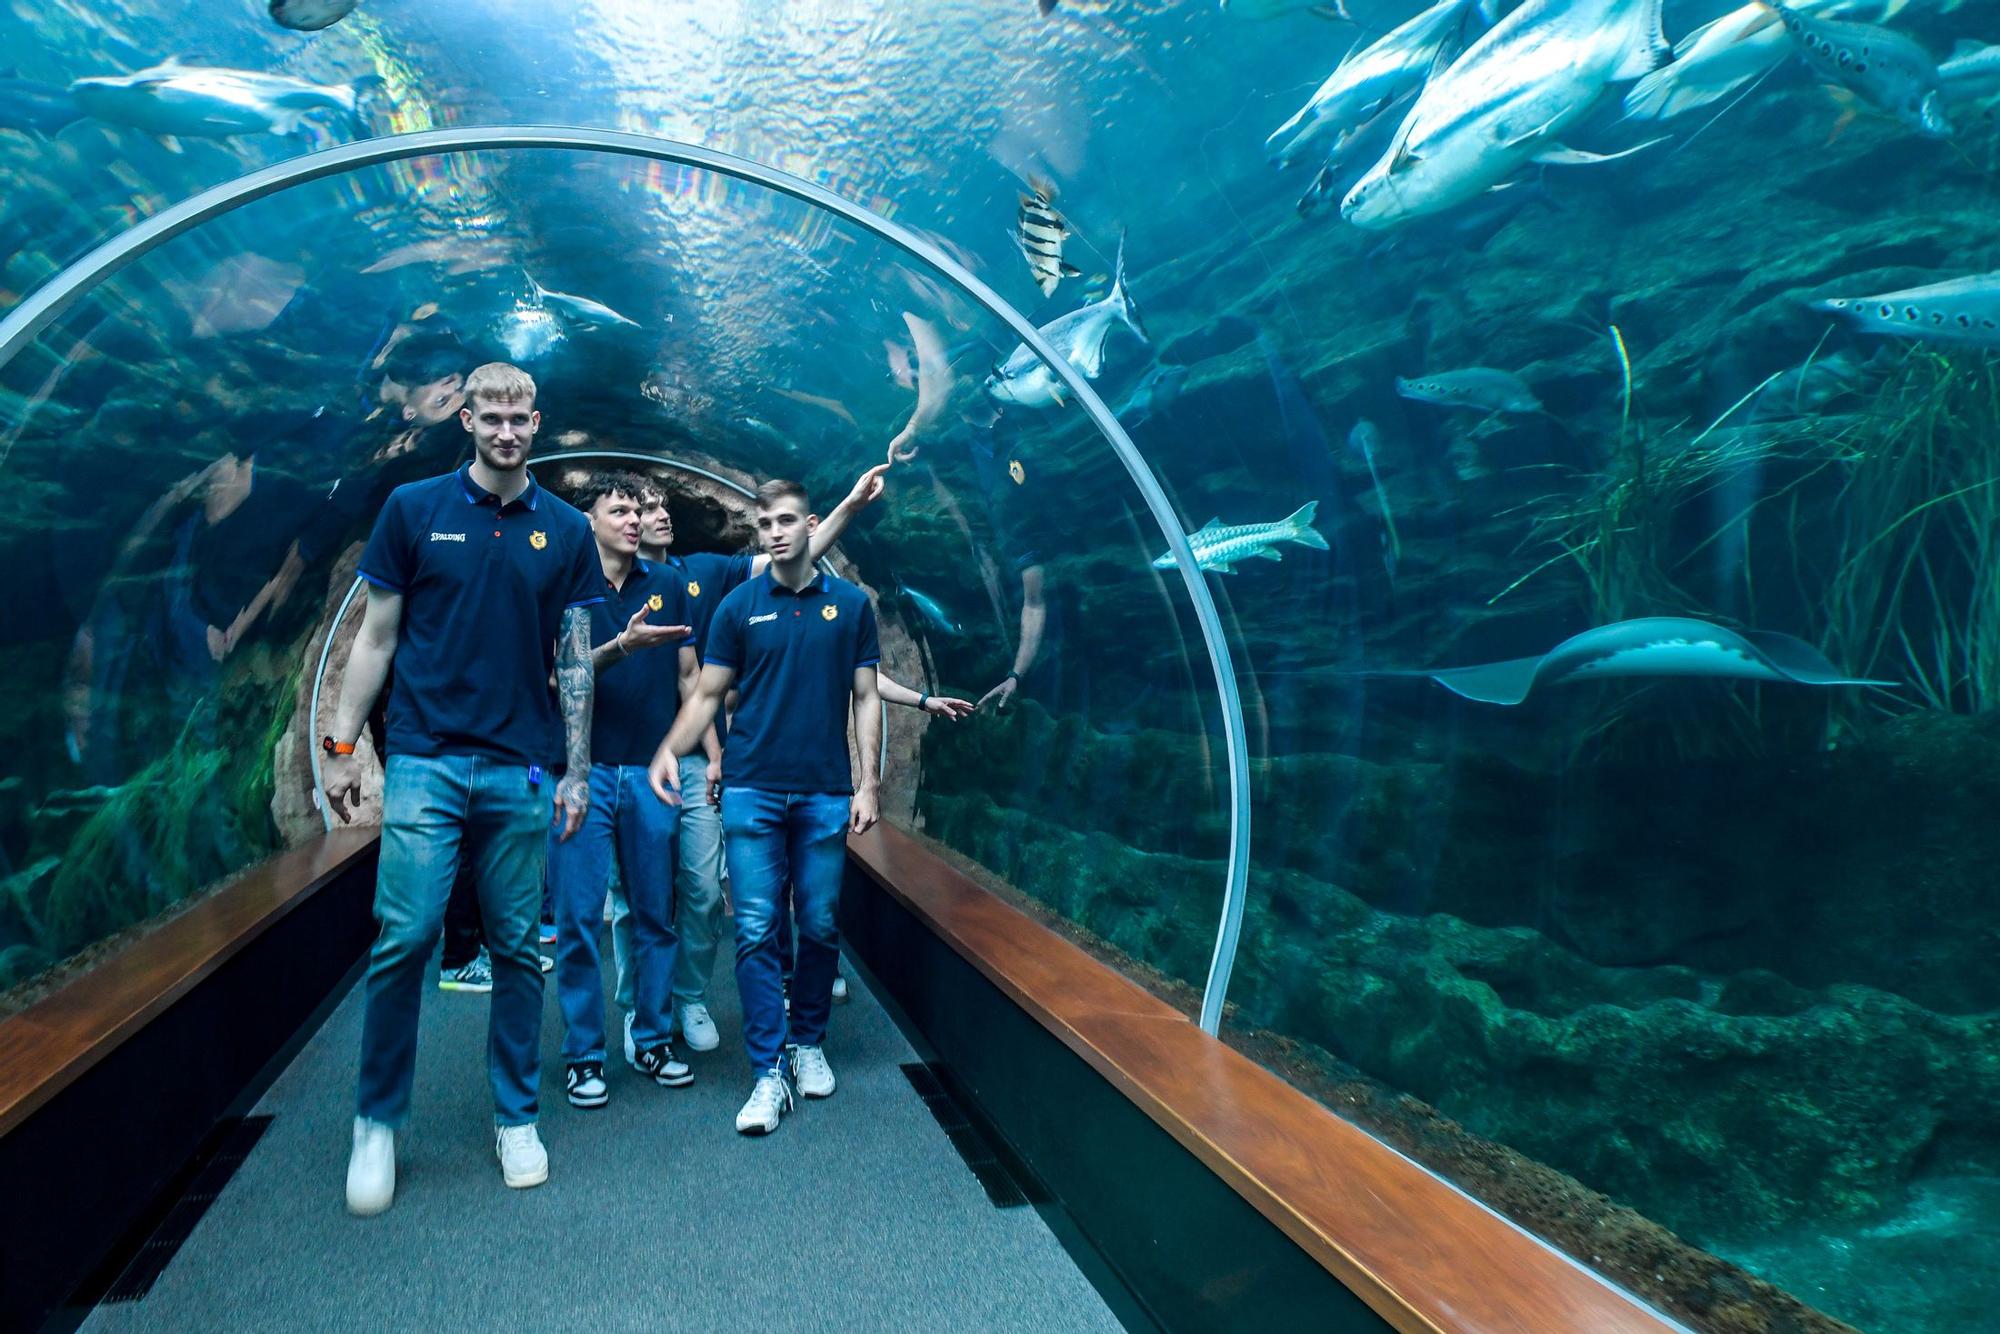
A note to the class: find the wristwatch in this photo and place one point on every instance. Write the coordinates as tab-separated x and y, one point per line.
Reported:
332	747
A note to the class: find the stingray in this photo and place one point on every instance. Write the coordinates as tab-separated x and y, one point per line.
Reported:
1650	646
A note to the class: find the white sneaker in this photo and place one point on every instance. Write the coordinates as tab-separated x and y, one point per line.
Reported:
371	1169
839	989
523	1160
769	1102
699	1028
814	1075
631	1047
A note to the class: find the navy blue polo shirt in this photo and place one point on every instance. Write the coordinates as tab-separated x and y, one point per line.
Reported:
707	578
637	695
794	655
484	588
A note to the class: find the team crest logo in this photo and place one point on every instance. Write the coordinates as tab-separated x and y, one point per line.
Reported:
828	612
1016	471
538	539
655	602
694	589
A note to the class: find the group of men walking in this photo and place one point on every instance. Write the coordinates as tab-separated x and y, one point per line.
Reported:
483	589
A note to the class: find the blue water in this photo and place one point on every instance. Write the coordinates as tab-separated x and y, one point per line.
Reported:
1693	922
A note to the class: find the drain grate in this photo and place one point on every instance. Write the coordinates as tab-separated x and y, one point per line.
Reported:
1007	1182
211	1171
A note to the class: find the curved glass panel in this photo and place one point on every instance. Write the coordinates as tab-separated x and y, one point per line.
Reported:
1662	942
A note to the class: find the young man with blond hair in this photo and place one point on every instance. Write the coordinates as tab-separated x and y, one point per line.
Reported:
801	648
480	584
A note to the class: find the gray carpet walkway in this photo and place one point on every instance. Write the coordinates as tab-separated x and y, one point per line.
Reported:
856	1215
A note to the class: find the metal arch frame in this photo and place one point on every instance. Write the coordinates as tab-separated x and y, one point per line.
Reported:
43	306
340	613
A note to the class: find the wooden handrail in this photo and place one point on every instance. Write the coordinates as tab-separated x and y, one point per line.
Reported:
48	1046
1425	1255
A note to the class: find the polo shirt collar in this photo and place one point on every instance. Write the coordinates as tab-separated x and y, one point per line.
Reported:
475	494
816	584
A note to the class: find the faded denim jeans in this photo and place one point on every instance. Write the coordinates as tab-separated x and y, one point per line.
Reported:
436	809
774	838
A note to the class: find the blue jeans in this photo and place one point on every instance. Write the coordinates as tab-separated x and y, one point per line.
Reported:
435	808
775	838
627	822
697	916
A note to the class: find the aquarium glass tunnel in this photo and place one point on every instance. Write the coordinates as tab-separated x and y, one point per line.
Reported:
1496	614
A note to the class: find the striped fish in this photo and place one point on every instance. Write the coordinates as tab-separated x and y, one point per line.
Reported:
1040	232
1217	547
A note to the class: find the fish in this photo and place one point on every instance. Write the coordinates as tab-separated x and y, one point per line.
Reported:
1362	143
579	308
1078	337
1972	71
1364	439
1710	63
1040	232
198	101
29	104
1649	646
1151	396
311	15
1884	68
1218	548
1505	103
466	253
821	401
1369	78
933	612
1959	310
1479	387
1270	9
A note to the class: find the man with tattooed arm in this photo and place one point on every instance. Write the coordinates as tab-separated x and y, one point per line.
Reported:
479	584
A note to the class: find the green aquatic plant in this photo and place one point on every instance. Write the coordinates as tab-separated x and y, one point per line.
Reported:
1914	589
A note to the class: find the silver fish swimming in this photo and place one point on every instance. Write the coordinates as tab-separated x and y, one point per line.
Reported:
579	308
203	102
1078	337
1218	548
1369	78
1883	67
311	15
1961	310
1479	387
1506	102
1040	232
1973	71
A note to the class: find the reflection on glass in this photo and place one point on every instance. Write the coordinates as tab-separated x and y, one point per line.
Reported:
1550	525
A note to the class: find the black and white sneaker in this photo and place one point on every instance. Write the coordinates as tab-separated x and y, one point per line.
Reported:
585	1082
667	1072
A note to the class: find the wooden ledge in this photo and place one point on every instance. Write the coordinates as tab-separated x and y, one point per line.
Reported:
1424	1255
47	1046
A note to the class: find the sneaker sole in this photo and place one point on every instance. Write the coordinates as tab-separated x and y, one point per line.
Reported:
524	1182
756	1128
710	1045
463	986
808	1093
588	1102
674	1081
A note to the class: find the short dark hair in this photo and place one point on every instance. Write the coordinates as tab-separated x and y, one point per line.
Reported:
426	358
605	482
781	488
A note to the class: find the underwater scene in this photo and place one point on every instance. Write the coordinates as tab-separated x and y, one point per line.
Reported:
1584	414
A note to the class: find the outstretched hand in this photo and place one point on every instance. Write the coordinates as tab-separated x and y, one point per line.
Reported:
1001	695
639	633
949	706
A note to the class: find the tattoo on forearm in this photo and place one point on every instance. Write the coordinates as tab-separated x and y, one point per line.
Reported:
576	683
